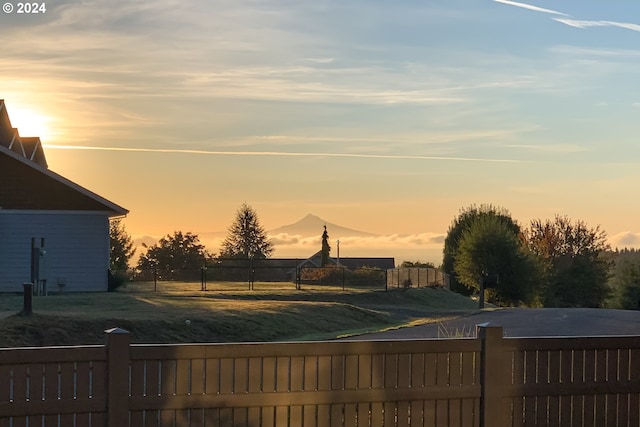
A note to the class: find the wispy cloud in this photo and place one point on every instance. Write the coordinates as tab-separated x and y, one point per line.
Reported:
625	239
281	154
576	23
587	24
554	148
530	7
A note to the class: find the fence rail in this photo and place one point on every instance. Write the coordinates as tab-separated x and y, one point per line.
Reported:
483	381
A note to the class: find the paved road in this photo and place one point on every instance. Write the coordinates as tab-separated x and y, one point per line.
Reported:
530	322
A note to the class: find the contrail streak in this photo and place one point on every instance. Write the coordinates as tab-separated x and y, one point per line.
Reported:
530	7
278	154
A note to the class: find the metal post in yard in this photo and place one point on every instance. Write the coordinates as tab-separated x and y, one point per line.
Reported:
155	279
27	308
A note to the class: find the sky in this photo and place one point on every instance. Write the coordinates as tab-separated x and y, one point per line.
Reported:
385	117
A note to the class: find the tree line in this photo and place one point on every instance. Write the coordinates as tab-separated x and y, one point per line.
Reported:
246	239
556	262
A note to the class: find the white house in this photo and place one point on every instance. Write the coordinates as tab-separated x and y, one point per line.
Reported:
53	232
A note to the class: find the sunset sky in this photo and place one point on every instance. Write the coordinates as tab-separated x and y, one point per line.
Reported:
386	117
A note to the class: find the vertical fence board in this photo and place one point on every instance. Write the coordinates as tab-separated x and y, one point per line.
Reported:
311	373
255	374
226	417
430	367
364	371
295	416
240	417
227	368
282	373
152	378
269	374
634	398
324	373
6	388
351	372
151	418
417	414
197	376
389	414
442	413
566	373
377	414
168	385
350	415
404	371
241	375
309	413
430	413
417	370
297	374
363	413
253	416
337	372
212	376
377	371
183	377
336	414
402	414
212	417
390	371
554	378
324	415
168	418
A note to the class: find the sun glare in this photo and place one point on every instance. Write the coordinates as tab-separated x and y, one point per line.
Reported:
30	122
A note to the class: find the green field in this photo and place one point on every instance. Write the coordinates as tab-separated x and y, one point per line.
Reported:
181	312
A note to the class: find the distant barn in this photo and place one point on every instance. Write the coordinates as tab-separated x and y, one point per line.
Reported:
52	231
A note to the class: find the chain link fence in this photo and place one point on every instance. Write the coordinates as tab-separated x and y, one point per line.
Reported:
417	278
245	274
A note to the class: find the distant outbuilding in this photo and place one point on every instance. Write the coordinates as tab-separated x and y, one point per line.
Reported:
53	232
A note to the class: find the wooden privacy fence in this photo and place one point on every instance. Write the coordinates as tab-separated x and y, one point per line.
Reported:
483	381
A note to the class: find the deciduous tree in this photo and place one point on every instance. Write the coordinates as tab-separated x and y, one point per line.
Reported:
462	222
246	238
177	256
489	247
575	259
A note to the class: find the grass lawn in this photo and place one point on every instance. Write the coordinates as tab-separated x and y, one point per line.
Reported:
271	312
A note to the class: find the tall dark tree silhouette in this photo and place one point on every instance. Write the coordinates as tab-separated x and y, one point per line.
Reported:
326	249
246	238
121	246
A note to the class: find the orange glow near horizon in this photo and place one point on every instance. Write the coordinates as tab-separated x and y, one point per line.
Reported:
31	122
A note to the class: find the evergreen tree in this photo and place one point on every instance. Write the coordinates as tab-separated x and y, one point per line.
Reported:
246	238
121	246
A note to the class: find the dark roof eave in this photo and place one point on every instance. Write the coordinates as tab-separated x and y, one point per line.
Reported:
111	208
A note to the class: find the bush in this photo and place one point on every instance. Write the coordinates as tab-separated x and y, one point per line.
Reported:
115	280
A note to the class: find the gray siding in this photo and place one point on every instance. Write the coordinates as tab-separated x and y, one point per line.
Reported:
76	244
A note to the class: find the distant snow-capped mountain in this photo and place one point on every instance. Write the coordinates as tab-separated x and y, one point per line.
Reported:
312	225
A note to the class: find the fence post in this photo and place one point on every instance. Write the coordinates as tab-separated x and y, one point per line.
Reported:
490	374
118	360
